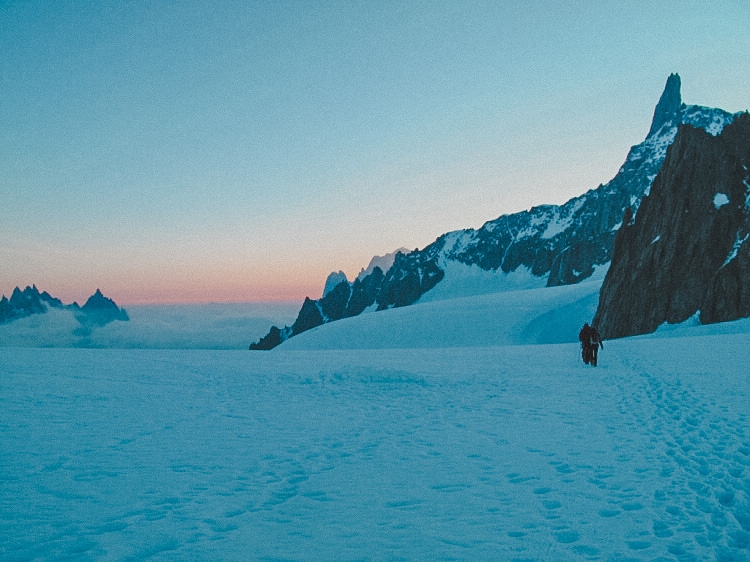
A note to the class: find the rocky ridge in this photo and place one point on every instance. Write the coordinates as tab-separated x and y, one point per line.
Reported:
685	253
560	243
98	309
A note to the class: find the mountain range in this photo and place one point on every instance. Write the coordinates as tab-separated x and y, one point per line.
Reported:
98	309
554	244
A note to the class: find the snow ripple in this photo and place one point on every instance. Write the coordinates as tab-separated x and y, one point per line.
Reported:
493	453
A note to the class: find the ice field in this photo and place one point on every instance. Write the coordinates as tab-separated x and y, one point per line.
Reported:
491	450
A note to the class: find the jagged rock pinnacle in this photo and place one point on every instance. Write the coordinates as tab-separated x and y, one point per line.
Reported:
669	104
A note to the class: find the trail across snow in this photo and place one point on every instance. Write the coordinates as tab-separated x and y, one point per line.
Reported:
483	453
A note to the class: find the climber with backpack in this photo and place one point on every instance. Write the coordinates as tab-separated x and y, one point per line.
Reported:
591	341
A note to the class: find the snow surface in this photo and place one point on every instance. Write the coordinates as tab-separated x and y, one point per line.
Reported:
560	223
447	441
657	145
483	453
457	241
334	280
383	262
738	242
692	328
720	199
507	317
463	280
717	125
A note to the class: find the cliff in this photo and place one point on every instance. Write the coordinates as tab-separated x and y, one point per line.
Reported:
687	250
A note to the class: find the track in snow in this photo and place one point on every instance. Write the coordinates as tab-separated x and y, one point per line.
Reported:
510	453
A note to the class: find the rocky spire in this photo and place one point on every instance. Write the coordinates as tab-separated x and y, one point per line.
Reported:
669	104
101	310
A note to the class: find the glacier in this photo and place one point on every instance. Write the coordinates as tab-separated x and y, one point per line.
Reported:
489	440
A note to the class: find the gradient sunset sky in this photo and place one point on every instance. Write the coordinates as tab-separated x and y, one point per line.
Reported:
183	151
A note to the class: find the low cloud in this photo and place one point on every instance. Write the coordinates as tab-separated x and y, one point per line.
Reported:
200	326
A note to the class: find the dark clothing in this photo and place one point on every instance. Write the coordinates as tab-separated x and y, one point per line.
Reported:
590	343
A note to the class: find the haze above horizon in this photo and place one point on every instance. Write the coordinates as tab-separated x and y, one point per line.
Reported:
198	152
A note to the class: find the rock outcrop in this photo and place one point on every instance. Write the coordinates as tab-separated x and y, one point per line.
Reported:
688	249
333	280
669	106
25	303
100	310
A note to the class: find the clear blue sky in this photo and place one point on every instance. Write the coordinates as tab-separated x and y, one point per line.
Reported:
230	151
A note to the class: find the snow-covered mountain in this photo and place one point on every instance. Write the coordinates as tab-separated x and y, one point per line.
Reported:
383	262
557	244
97	310
685	253
333	281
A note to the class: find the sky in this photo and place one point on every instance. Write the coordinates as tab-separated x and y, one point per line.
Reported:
236	151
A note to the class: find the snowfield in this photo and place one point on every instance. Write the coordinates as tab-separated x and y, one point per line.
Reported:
473	449
510	317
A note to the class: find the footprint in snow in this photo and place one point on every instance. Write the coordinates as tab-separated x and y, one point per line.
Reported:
567	537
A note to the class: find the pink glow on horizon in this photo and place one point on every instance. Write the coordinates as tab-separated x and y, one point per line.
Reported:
216	293
186	296
205	289
176	283
128	295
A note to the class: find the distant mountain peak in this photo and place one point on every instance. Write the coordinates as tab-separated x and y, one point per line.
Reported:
333	280
669	104
102	310
98	309
383	262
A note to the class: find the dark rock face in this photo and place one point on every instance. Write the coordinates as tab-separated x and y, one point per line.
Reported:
669	104
98	309
344	300
28	301
309	317
25	303
101	310
272	339
562	243
576	262
408	279
688	249
364	292
6	310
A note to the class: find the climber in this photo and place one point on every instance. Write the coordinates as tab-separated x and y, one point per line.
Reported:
590	343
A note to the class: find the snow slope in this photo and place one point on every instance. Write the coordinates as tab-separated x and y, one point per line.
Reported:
480	453
506	317
516	313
